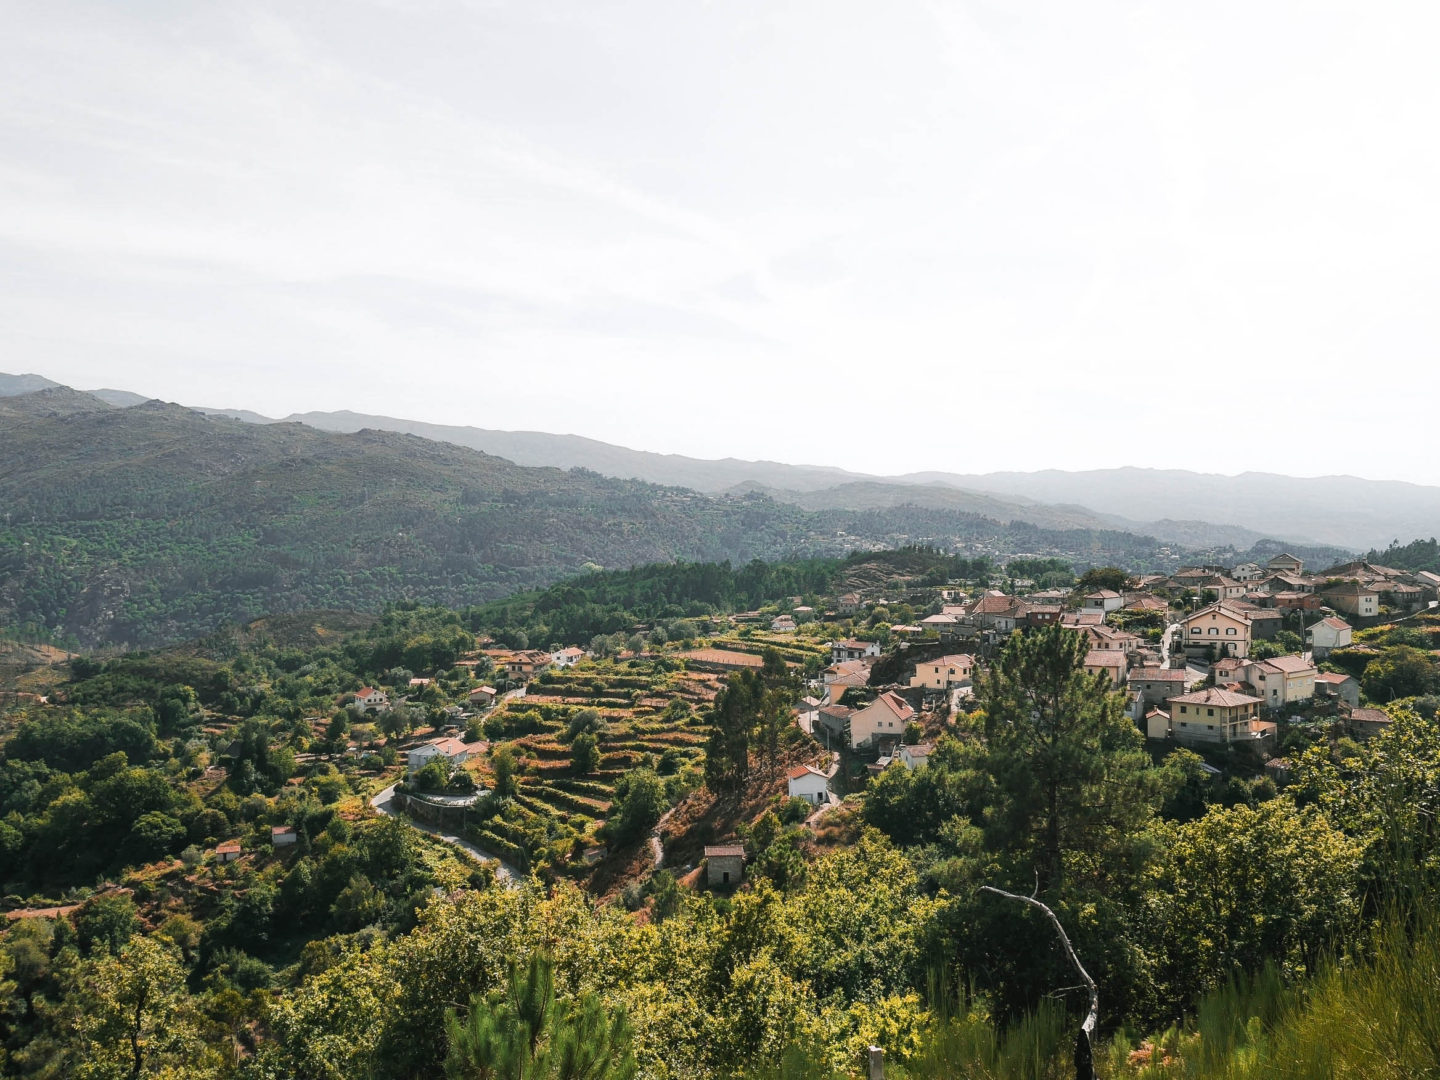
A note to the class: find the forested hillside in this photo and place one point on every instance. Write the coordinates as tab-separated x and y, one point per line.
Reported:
156	926
1416	555
153	523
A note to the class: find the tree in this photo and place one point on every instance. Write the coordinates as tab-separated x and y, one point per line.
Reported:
1248	886
1399	672
584	754
502	764
527	1033
128	1016
106	923
339	728
1101	577
153	836
727	753
1069	768
639	802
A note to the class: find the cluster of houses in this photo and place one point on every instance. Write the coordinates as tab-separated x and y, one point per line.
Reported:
1199	685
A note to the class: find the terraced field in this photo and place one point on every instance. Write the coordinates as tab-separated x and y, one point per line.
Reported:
793	648
650	715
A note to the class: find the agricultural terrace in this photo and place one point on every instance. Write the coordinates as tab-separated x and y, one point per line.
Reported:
804	651
641	712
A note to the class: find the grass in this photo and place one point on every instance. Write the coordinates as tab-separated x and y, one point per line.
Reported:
1373	1019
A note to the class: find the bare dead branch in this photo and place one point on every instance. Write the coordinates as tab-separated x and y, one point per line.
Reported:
1084	1043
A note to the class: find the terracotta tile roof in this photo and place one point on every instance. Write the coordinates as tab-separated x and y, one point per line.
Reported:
1370	716
897	705
1106	658
1212	696
953	660
1222	608
1349	588
1333	677
1289	664
801	770
724	851
1154	674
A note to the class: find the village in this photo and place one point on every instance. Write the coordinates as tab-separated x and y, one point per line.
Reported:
1220	660
1199	656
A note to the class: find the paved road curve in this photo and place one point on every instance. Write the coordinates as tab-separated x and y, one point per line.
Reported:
385	803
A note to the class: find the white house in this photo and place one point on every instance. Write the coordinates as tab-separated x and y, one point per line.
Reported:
810	784
782	624
368	699
283	835
840	651
568	657
912	757
453	749
1282	679
483	696
1106	600
1329	633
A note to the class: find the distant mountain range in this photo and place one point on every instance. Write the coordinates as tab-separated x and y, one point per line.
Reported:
146	523
1187	508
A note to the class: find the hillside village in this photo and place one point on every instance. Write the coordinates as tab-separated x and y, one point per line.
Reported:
1221	660
721	739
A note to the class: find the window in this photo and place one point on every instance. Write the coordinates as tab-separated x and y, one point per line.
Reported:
1213	630
1194	630
1209	712
1230	630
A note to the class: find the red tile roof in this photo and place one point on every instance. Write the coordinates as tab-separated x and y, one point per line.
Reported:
1224	698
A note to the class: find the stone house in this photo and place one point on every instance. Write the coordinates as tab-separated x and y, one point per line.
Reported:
724	864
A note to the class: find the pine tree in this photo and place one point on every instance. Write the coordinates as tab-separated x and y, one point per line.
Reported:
527	1033
1070	770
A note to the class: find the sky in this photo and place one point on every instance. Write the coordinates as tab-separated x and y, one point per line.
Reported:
886	236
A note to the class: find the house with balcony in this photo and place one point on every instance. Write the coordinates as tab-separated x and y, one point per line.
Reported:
1217	718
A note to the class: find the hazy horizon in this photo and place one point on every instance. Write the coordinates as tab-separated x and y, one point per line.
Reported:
341	409
988	239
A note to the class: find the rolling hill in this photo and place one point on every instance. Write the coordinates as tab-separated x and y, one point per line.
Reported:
152	523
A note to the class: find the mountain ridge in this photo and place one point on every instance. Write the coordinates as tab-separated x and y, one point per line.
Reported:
156	522
1189	508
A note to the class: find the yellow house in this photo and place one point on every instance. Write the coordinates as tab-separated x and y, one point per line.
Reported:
1225	628
1216	716
944	672
883	719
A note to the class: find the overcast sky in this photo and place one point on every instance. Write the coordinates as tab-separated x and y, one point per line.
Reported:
888	236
